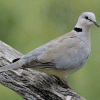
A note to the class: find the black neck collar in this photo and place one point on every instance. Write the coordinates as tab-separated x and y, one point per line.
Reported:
78	29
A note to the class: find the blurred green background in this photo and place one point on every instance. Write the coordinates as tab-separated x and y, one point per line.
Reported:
27	24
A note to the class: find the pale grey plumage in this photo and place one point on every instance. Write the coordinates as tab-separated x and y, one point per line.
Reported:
63	55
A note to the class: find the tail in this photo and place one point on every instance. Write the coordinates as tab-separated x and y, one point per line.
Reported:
15	65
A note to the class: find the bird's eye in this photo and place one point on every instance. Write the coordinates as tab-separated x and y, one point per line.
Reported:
86	17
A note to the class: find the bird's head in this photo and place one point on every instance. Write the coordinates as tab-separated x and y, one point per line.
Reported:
86	20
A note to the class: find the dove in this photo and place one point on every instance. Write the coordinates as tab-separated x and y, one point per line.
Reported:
63	55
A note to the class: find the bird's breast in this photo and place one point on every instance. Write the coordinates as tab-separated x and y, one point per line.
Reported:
74	58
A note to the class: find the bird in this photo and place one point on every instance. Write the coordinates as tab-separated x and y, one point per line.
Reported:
63	55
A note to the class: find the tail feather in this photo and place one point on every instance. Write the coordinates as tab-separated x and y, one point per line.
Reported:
24	63
15	65
8	67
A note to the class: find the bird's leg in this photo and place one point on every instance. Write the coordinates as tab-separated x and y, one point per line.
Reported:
62	82
65	82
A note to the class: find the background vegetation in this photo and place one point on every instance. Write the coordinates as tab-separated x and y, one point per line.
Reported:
27	24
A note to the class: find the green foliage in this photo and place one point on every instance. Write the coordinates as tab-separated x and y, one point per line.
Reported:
27	24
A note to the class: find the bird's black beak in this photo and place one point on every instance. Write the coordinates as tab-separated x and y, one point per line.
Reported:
95	23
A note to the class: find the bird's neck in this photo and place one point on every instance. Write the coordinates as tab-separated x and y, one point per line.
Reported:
83	33
82	28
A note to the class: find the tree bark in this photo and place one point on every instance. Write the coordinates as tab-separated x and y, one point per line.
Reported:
30	84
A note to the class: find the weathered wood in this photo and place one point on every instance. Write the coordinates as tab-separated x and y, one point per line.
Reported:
30	84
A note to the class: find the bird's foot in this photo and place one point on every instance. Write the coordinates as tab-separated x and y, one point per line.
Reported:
62	82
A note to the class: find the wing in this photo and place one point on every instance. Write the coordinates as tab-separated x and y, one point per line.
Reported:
47	55
38	65
59	48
